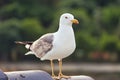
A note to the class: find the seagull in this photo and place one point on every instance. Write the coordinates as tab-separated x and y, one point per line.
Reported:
55	46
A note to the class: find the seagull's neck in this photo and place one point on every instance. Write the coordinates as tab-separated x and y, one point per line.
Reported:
65	28
65	34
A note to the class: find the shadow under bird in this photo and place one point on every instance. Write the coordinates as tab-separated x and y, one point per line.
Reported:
55	46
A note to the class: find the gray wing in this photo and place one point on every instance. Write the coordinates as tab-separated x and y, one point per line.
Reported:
43	45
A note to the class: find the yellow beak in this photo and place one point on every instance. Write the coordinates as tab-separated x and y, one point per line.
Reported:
75	21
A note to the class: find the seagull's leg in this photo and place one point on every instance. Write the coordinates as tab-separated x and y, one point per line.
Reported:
60	70
52	67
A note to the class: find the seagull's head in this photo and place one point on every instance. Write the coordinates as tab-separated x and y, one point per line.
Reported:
68	19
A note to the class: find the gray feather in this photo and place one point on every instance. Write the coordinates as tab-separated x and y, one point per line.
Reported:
42	45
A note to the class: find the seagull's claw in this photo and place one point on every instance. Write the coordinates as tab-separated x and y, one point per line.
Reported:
54	77
63	76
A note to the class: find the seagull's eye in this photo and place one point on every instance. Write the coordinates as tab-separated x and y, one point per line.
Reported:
66	17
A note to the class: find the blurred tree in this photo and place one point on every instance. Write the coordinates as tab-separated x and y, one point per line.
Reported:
31	29
98	31
110	18
9	32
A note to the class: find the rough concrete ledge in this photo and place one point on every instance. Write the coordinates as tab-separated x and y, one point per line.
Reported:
28	75
36	75
3	76
79	77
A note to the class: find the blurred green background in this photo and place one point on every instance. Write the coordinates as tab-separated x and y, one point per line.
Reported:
97	35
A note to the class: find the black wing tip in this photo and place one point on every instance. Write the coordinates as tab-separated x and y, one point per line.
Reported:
23	42
19	42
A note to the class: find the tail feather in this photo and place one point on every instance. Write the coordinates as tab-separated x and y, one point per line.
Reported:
27	45
24	42
30	52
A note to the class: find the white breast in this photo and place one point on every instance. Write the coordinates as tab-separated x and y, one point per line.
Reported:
63	45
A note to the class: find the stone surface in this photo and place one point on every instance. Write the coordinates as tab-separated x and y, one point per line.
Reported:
80	77
28	75
36	75
3	76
